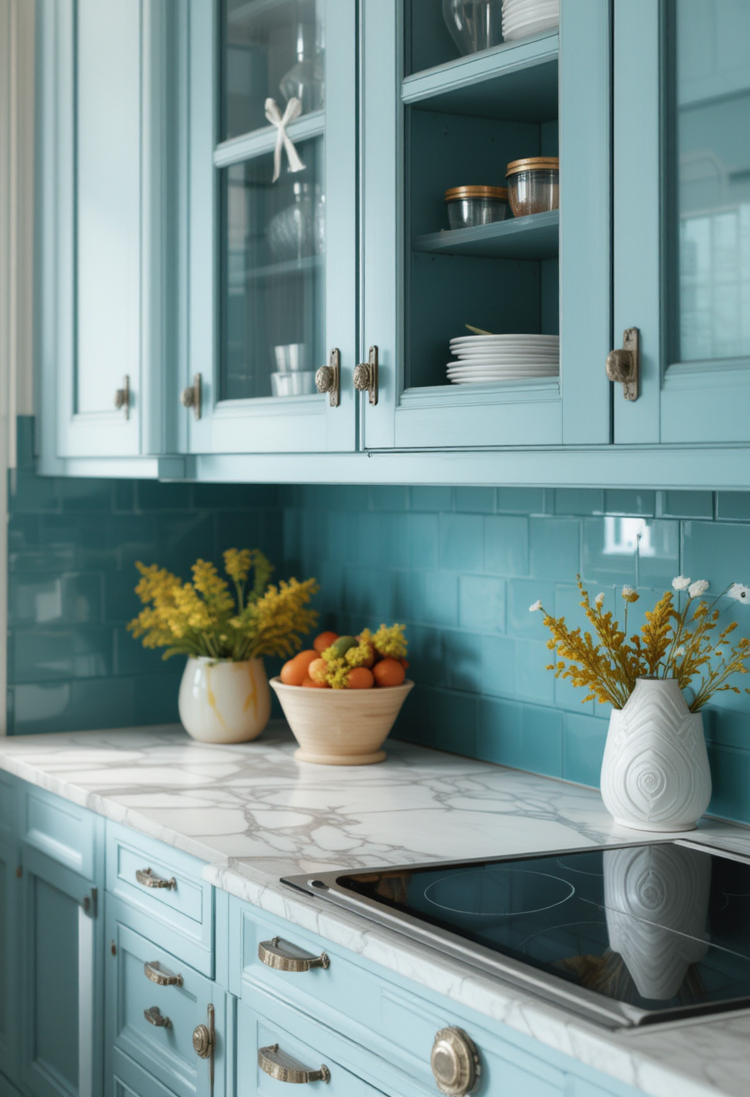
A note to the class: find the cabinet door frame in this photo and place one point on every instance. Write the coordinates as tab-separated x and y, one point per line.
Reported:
265	425
692	402
9	990
577	411
38	1076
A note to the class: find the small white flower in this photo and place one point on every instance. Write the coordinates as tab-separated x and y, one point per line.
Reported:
680	651
537	606
627	591
599	600
739	593
700	586
680	583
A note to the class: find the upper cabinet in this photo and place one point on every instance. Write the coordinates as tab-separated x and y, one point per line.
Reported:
682	217
245	191
271	229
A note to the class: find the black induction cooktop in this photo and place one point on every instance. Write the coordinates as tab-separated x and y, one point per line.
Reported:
624	935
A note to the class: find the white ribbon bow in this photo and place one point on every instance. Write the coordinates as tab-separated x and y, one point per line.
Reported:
274	116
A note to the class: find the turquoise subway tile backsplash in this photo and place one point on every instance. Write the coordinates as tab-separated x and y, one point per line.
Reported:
72	546
460	566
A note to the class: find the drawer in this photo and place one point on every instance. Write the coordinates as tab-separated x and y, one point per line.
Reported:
260	1029
65	832
165	886
154	1003
386	1017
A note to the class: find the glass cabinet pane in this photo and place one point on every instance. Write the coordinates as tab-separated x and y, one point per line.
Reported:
273	244
709	177
269	48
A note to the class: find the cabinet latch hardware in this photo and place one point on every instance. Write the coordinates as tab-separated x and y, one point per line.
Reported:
204	1043
366	375
19	872
190	397
327	379
88	903
154	1017
146	877
284	956
284	1068
156	973
122	397
624	366
113	948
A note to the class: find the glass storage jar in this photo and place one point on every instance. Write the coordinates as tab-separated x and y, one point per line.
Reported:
470	206
533	184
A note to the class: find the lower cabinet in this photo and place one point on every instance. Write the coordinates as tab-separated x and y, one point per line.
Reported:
9	981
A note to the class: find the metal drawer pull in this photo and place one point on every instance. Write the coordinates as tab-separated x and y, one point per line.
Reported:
288	957
146	877
284	1068
455	1062
162	978
154	1017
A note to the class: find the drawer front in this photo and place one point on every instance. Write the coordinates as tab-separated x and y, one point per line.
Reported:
393	1022
129	1080
182	906
155	1001
257	1032
66	833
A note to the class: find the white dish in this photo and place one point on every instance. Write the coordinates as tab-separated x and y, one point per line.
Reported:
538	371
530	378
490	340
517	15
505	356
532	27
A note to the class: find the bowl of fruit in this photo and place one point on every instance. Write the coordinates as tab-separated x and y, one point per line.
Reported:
342	696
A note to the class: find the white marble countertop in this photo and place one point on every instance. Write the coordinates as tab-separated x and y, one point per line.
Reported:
254	814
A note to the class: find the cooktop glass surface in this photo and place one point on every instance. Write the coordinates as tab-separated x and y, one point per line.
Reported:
664	927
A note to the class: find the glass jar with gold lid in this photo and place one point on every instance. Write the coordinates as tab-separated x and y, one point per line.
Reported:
533	184
475	205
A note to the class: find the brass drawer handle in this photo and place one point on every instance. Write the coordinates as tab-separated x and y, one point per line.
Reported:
154	1017
285	1069
146	877
156	974
288	957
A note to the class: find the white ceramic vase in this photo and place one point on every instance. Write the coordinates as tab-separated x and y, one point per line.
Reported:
656	902
655	773
224	702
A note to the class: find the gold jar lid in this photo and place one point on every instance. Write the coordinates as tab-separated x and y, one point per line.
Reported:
534	163
496	193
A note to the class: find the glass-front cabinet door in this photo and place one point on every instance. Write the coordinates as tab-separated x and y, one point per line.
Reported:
271	226
490	311
682	216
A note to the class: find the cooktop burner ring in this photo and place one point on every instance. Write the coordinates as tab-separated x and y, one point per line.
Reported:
502	877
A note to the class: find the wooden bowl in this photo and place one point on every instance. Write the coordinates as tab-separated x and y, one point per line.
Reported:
340	727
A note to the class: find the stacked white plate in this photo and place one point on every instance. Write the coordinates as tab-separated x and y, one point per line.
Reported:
484	358
522	17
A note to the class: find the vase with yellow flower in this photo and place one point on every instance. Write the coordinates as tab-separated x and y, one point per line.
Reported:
655	771
224	695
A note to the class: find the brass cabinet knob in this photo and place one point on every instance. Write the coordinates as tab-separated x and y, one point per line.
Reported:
146	877
327	379
366	375
203	1044
122	397
156	973
190	397
154	1017
284	1068
624	366
287	957
455	1062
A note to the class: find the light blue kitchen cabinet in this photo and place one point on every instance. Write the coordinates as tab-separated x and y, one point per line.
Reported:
105	231
682	220
271	288
9	889
431	121
60	945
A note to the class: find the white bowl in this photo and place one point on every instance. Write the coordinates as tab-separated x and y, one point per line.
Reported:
340	727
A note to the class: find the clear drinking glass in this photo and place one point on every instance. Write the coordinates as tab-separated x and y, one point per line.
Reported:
474	24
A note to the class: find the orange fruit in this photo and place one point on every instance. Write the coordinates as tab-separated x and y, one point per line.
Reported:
309	684
294	672
304	658
317	670
360	678
324	640
389	672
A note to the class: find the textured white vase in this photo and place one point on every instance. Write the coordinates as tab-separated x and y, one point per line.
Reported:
224	702
656	901
655	773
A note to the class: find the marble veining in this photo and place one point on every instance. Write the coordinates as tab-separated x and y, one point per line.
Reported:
254	814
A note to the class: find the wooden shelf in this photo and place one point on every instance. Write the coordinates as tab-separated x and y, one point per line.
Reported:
516	81
533	237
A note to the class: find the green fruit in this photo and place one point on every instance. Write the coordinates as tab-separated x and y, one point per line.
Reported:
341	646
